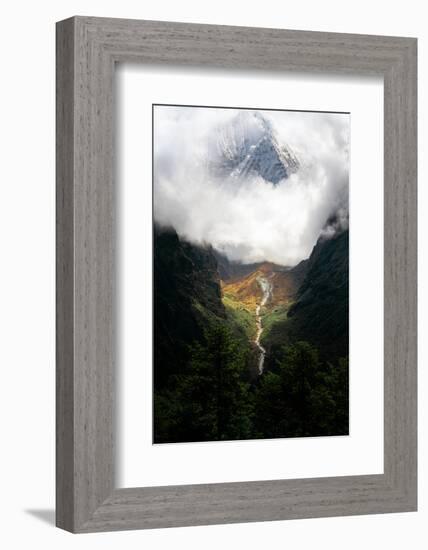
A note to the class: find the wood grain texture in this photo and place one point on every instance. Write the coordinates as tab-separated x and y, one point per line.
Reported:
87	49
64	276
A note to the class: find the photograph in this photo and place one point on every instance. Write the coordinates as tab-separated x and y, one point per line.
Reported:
250	271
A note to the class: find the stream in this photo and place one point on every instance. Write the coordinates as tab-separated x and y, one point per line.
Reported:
267	288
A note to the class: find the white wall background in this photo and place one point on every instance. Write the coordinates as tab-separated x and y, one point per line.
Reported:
27	273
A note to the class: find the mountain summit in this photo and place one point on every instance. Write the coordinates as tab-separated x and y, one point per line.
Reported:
249	145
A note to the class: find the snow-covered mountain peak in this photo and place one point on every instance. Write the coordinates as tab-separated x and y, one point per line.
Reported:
248	145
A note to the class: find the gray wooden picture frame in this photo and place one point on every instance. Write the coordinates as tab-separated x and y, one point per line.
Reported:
87	50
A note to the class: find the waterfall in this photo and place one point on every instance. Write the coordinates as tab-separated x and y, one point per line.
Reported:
267	288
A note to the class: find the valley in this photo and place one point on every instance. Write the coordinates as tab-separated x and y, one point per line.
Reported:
247	351
259	299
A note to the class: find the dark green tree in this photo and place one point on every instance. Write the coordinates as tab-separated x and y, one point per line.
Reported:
303	397
210	401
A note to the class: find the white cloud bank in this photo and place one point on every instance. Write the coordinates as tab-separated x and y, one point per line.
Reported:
250	220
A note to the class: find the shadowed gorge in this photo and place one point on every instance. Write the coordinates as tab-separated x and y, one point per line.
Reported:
209	333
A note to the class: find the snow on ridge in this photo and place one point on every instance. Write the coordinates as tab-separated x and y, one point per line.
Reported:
247	145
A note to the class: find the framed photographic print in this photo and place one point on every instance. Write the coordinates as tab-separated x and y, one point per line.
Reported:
236	274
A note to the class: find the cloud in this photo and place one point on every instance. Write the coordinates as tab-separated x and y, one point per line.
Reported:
250	220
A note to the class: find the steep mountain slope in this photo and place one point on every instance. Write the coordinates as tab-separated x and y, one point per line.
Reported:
187	302
320	312
186	284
